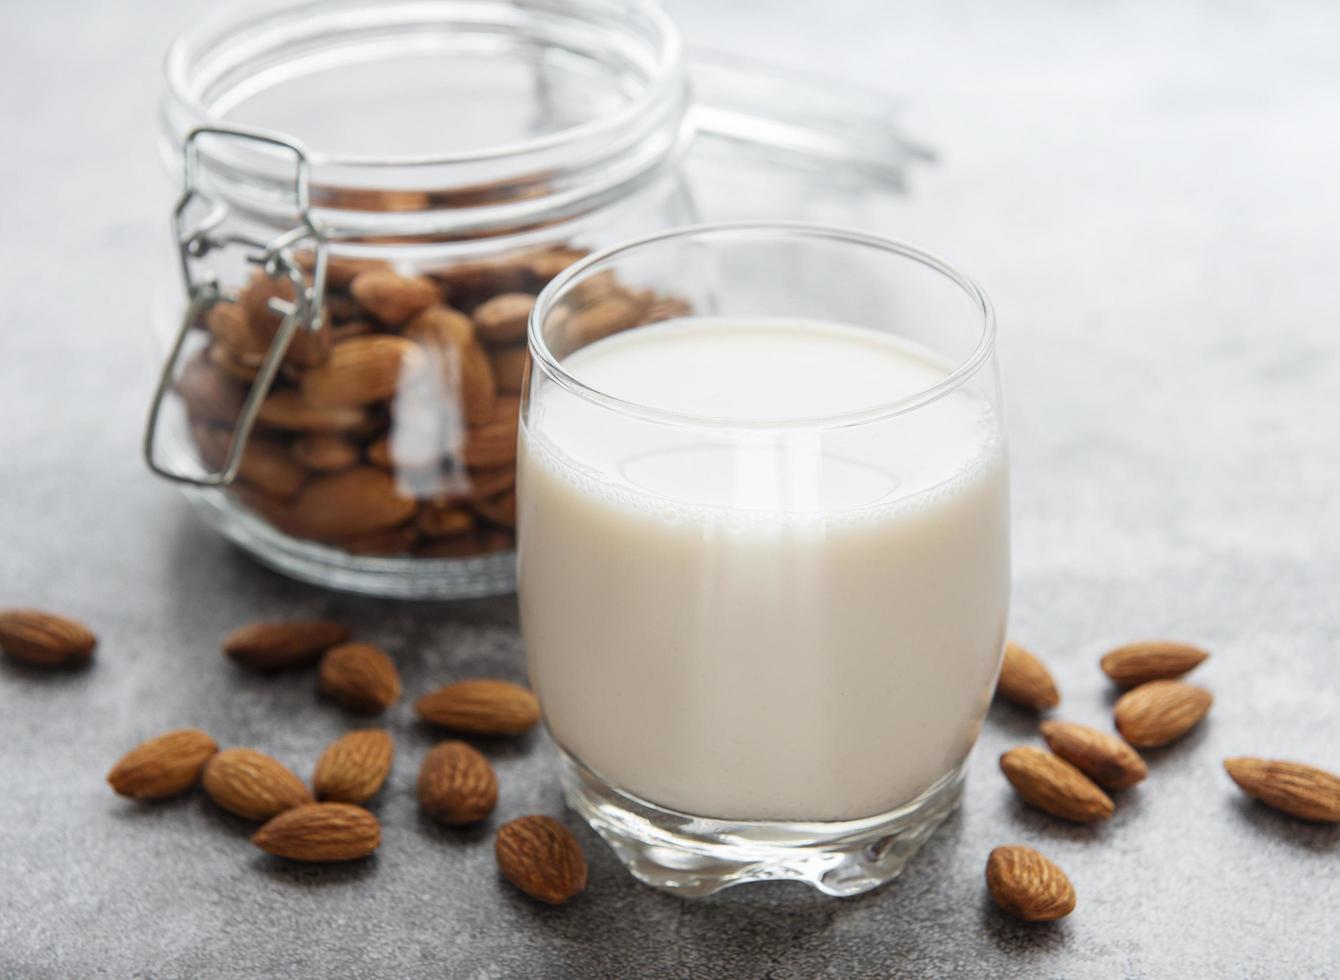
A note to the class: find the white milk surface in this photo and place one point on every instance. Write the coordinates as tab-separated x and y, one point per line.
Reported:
790	623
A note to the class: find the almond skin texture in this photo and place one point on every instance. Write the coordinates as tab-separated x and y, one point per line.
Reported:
1027	885
252	784
276	645
45	639
1104	758
1025	681
456	784
1299	790
481	707
1151	660
354	766
542	858
1054	785
359	676
361	371
163	766
1160	712
321	832
357	501
391	297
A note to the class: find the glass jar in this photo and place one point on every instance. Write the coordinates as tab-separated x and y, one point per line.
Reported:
371	196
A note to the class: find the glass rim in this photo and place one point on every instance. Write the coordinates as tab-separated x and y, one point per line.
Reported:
965	369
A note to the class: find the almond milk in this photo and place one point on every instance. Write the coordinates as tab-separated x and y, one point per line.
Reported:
791	622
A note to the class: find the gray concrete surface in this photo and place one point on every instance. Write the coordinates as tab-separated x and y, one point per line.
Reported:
1148	191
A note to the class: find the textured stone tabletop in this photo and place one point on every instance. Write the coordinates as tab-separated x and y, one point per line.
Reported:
1149	193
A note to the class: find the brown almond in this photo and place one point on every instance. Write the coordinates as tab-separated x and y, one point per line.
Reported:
252	784
456	784
265	465
359	676
1027	885
550	262
396	541
45	639
357	501
340	270
363	370
1151	660
448	337
1299	790
391	297
320	832
1025	681
491	481
610	314
324	452
286	643
354	766
494	444
286	409
485	277
231	327
668	308
1106	759
503	319
510	365
163	766
1054	785
255	300
501	510
541	857
483	706
209	394
443	522
1160	712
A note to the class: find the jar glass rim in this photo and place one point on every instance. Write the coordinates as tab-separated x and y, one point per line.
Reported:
183	52
963	370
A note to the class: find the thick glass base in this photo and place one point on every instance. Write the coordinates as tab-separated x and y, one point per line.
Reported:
695	856
396	578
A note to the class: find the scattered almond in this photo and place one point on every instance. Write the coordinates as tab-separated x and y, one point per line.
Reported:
252	784
1159	712
1054	785
1151	660
1027	885
289	643
354	766
1025	681
1106	759
391	297
1299	790
456	784
359	676
163	766
481	707
542	858
320	832
45	639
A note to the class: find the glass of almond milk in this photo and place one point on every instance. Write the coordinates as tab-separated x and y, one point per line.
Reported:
764	549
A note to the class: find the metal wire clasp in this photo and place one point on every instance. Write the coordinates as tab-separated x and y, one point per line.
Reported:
275	257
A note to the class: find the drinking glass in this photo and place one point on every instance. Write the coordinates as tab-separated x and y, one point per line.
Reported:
764	549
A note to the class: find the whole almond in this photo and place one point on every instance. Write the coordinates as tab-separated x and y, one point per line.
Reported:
494	444
320	832
1299	790
509	367
448	338
163	766
1151	660
1054	785
354	766
324	452
482	707
356	501
1159	712
265	465
1026	681
610	314
502	319
1106	759
287	643
541	857
252	784
391	297
286	409
1027	885
229	324
363	370
45	639
456	784
359	676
